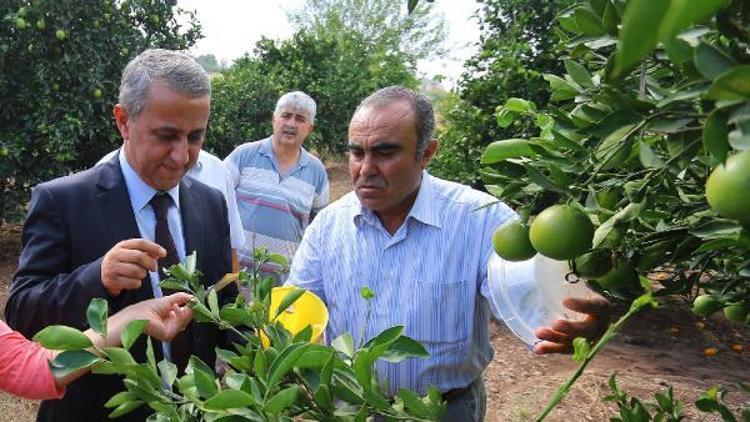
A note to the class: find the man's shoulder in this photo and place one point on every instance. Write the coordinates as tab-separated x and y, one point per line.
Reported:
76	183
459	194
344	207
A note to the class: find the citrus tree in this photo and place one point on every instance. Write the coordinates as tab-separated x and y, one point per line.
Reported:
60	67
272	374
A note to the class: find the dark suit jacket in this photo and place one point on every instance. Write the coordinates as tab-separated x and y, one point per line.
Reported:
72	222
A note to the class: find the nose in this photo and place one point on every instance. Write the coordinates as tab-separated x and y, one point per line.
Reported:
179	153
368	167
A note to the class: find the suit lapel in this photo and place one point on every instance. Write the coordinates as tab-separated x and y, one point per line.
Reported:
192	229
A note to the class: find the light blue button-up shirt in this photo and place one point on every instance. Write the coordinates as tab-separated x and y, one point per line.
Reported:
430	276
140	195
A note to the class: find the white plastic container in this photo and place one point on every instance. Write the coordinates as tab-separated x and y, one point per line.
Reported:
529	294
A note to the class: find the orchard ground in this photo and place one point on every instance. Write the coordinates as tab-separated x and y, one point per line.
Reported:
658	347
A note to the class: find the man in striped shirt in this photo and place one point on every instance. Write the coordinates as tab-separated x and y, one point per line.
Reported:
279	185
422	244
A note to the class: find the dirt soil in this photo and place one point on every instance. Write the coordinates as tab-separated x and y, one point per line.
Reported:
659	347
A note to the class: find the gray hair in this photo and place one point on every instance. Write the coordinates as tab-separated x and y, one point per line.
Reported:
297	100
421	105
178	70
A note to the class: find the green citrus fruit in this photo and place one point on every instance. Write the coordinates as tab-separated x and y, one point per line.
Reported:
511	242
593	264
621	275
155	19
40	25
97	93
727	186
60	34
20	23
736	313
705	305
561	232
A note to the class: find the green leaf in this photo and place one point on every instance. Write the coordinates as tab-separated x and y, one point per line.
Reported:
411	5
716	228
288	300
519	105
648	157
189	263
229	399
684	13
629	213
120	398
715	135
362	366
126	408
581	349
733	84
403	348
386	337
541	180
278	259
504	118
414	403
326	374
323	397
284	362
97	314
588	22
205	382
202	314
170	284
282	400
561	89
119	356
509	148
60	337
213	303
579	74
168	371
638	35
71	361
131	333
344	344
710	61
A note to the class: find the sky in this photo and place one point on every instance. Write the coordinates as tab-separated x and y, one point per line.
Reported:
232	27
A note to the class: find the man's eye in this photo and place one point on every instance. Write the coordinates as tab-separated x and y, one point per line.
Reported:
195	137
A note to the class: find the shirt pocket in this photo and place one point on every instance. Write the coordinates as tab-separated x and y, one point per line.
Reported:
440	313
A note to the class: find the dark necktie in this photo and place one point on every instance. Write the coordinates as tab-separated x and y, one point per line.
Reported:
180	345
161	202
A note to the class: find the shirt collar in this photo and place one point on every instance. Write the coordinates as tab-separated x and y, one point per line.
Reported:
141	193
266	148
423	210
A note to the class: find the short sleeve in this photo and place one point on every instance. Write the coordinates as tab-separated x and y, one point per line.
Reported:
24	367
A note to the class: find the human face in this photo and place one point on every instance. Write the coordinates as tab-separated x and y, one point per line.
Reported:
164	141
291	126
383	163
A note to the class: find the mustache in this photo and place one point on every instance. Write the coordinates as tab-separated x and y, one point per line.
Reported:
374	182
289	130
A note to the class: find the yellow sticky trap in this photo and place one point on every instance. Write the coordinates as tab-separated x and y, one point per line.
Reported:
308	309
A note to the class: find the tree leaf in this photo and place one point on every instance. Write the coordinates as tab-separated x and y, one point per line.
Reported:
344	344
507	148
684	13
414	403
213	303
120	398
648	157
131	332
715	135
71	361
637	35
189	263
588	22
581	349
579	74
403	348
229	399
168	371
282	400
362	366
284	362
386	337
733	84
288	300
519	105
60	337
126	408
96	315
119	356
278	259
710	61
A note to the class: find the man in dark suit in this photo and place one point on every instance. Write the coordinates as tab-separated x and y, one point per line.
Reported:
107	232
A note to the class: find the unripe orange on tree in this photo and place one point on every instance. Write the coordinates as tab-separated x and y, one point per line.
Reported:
21	23
60	34
727	188
40	25
97	93
511	242
705	305
561	232
736	313
620	276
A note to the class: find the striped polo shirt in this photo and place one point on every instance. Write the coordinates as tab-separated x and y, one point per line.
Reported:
275	208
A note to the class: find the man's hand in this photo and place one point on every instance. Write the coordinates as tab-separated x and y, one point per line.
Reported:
166	317
127	263
559	337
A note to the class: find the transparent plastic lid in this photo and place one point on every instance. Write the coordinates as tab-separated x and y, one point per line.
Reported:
529	294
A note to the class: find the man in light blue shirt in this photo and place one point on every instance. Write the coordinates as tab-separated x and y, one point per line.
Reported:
422	244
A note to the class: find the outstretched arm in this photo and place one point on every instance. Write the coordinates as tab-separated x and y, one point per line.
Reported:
559	337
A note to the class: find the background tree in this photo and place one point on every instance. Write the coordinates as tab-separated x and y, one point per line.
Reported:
209	62
517	45
337	65
60	67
